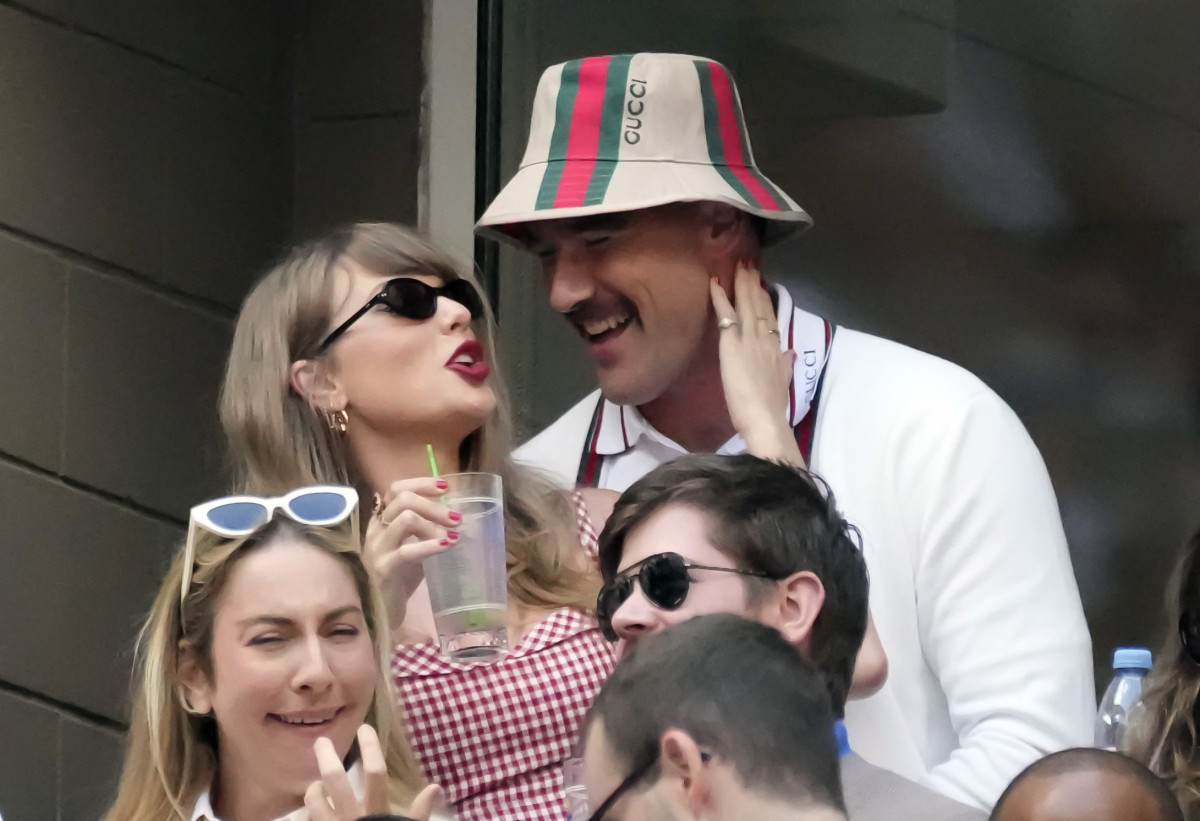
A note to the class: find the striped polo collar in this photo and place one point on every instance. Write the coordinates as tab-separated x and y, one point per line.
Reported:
620	427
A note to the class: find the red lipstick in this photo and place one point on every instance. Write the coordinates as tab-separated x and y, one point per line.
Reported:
468	362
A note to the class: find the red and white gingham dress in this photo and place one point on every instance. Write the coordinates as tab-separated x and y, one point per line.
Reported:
495	736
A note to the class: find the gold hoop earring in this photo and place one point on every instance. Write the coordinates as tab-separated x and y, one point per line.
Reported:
338	421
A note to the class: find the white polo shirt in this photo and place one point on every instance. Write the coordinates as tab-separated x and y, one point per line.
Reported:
972	589
624	447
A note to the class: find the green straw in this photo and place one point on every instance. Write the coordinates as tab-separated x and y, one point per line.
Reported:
433	469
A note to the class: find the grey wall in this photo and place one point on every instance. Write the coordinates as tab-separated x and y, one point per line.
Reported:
1024	200
154	157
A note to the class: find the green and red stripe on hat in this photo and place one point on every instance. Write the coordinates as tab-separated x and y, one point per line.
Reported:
629	131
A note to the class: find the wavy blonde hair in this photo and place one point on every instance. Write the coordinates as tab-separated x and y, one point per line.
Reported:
1165	735
171	754
278	440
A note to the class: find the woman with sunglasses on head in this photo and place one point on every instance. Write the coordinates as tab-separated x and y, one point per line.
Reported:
1165	730
258	679
348	359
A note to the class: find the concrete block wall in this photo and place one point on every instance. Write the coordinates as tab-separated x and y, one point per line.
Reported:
154	158
358	101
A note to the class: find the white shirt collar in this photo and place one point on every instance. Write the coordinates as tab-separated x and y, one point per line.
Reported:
203	809
620	427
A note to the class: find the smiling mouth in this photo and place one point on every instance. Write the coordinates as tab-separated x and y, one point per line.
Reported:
598	330
306	719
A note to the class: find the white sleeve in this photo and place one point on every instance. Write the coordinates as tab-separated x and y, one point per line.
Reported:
998	611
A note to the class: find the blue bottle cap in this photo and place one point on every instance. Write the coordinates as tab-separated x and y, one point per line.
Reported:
1132	658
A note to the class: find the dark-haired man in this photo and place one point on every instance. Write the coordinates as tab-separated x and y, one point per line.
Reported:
638	188
719	718
736	534
1087	785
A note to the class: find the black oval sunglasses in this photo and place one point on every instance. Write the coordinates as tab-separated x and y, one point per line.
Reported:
413	299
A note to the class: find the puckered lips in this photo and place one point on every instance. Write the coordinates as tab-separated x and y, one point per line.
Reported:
311	721
468	362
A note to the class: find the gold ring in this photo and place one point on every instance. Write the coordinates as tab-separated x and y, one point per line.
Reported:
725	322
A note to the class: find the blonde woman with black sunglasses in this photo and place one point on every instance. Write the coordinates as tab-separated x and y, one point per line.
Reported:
349	358
259	692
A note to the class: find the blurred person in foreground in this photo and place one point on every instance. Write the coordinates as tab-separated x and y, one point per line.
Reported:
640	196
719	718
1164	731
742	535
1087	785
260	690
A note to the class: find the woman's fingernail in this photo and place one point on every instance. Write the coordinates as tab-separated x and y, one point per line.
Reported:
376	505
444	542
452	535
442	484
455	516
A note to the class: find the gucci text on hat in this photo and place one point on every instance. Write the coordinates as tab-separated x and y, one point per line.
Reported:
628	131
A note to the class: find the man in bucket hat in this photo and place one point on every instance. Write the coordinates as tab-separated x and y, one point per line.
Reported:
639	193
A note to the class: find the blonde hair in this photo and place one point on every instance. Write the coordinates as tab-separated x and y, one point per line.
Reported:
1164	735
278	440
171	754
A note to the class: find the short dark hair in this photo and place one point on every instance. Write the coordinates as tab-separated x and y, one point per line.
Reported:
739	690
768	518
1111	764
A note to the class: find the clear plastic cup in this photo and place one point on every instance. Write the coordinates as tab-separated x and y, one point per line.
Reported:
468	582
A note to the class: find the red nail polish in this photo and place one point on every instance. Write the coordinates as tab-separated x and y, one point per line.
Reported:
455	516
444	542
442	484
452	534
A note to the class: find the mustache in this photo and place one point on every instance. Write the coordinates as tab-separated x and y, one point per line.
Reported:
592	310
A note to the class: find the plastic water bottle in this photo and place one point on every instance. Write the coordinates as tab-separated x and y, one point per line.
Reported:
1130	665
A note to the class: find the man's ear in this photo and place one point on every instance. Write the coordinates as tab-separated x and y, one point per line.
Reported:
194	689
724	240
799	602
686	776
312	380
724	229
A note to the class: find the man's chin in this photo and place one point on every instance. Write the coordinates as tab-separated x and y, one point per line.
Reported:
627	389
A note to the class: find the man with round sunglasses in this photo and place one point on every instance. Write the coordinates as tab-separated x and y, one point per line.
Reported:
641	198
737	534
717	719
